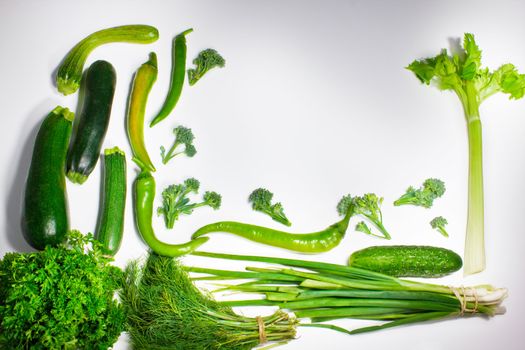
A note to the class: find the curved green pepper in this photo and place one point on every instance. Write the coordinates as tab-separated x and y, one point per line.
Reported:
143	81
315	242
178	73
144	195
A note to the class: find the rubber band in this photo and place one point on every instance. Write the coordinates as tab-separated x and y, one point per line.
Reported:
262	332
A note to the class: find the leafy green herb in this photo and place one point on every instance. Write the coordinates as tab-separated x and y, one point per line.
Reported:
176	201
261	200
462	73
166	311
60	298
205	60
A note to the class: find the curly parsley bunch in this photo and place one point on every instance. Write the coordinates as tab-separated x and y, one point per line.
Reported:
60	298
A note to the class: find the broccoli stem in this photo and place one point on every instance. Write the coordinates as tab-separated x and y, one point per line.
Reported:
379	225
171	153
278	217
442	230
474	259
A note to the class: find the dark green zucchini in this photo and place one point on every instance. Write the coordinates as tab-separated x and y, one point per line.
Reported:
110	226
93	121
45	218
407	261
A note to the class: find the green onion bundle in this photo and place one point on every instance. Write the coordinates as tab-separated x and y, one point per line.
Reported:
166	311
323	292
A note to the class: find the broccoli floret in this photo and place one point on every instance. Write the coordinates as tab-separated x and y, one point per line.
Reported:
205	60
183	137
261	200
363	227
212	199
192	185
344	204
424	196
367	206
176	201
439	223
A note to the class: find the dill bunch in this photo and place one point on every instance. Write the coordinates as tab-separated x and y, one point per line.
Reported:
166	311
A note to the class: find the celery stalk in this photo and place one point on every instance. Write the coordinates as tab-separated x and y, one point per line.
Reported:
462	73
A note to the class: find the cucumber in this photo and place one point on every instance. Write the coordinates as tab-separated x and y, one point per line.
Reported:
93	121
45	218
110	225
407	261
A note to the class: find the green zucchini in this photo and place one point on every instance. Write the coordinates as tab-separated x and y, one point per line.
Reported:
70	70
45	211
93	121
407	261
110	225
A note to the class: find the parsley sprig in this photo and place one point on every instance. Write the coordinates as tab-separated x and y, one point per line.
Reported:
60	298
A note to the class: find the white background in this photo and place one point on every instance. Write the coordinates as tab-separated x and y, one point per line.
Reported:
314	103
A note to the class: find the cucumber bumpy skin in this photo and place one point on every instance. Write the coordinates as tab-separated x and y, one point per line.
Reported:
70	70
407	261
45	218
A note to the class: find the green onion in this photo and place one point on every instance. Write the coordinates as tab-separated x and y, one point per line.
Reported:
322	292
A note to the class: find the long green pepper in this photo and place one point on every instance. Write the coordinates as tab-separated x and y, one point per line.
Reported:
178	73
315	242
144	79
144	196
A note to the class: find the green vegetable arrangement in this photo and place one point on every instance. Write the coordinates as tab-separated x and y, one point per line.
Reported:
462	74
325	292
60	298
166	311
65	297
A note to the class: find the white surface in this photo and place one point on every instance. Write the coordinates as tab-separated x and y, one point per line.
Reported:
313	103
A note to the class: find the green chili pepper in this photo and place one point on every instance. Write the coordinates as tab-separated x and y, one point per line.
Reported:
178	72
144	79
316	242
144	195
